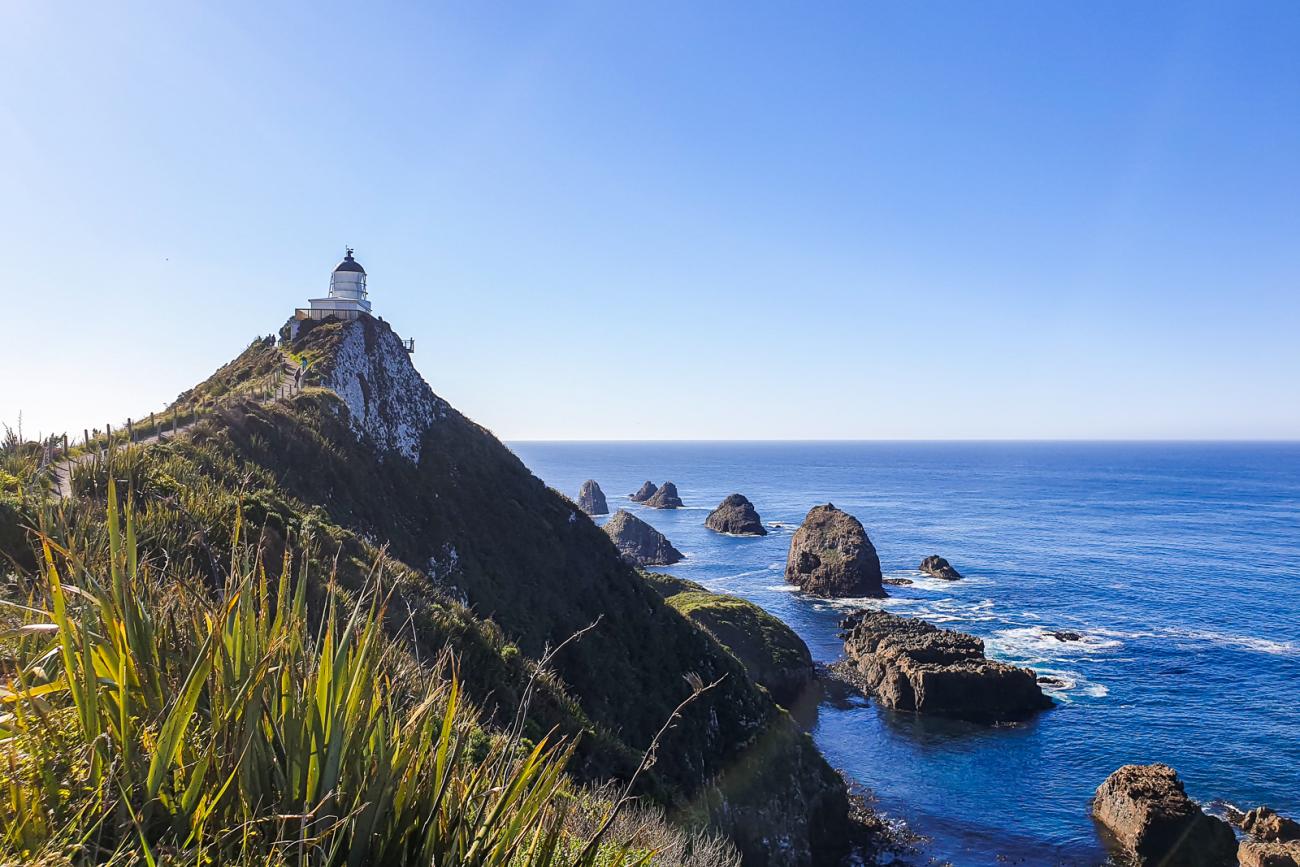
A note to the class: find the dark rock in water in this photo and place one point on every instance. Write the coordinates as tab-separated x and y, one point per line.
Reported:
735	515
1067	636
1044	680
638	542
591	499
937	567
1150	817
643	493
831	555
897	582
1264	823
912	665
665	498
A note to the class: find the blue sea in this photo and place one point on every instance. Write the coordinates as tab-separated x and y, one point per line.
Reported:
1178	563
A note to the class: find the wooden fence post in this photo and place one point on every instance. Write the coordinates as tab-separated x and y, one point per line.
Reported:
86	434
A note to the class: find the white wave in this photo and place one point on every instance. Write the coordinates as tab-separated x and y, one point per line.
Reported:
1039	644
1070	685
1273	647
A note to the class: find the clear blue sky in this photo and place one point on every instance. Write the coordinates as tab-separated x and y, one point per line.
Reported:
672	220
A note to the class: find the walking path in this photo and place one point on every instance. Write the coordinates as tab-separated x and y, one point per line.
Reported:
288	385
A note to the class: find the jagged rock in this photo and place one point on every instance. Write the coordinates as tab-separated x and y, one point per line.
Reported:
638	542
831	555
591	499
736	515
897	582
1268	853
1150	817
1264	823
1057	682
937	567
1067	636
912	665
665	498
643	493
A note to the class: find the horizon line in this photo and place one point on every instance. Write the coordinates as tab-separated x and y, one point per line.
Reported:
951	440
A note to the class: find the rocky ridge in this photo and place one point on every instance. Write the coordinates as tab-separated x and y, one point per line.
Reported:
737	516
831	555
909	664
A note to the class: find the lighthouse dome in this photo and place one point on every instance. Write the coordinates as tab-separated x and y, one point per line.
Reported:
349	264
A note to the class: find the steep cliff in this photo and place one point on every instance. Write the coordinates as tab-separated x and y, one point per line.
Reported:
370	451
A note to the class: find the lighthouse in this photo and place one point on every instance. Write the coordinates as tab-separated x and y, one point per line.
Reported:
346	300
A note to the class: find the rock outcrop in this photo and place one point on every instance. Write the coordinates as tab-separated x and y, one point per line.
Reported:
937	567
643	493
591	499
736	515
638	542
831	555
909	664
1274	840
665	498
1150	818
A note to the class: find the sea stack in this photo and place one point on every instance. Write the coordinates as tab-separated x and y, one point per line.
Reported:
665	498
638	542
937	567
1150	817
643	493
831	555
736	515
913	665
591	499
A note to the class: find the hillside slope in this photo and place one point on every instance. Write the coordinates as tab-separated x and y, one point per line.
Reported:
492	560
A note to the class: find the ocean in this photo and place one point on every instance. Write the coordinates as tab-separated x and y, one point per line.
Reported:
1179	563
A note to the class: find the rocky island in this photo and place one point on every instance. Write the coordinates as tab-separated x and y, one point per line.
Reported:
591	499
638	542
664	498
736	516
1149	817
831	555
909	664
937	567
643	493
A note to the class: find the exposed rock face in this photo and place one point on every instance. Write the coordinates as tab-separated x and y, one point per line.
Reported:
665	498
1067	636
1149	815
591	499
1275	840
897	582
643	493
387	399
937	567
830	555
638	542
911	665
736	515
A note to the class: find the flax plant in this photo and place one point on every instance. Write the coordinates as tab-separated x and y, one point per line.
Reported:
147	719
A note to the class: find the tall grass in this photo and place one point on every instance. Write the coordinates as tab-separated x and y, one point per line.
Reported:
144	719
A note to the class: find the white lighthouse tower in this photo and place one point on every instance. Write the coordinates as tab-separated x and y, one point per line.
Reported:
347	298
